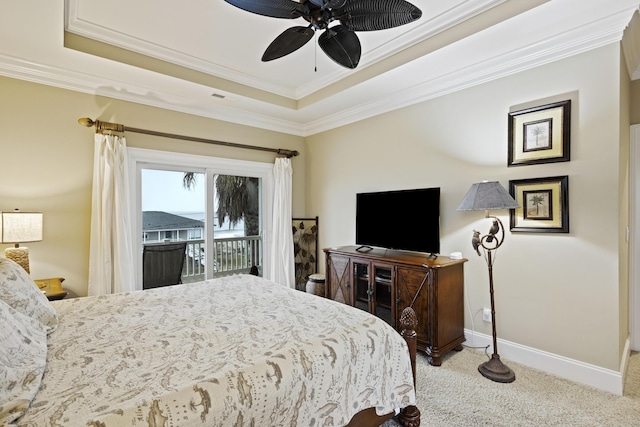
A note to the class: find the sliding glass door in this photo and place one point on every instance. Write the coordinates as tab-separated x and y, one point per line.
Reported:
216	206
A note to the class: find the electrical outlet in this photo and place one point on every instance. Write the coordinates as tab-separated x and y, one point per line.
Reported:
486	314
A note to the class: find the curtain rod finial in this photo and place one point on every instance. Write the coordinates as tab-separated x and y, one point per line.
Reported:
86	122
288	153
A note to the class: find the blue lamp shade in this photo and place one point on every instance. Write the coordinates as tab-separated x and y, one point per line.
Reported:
487	195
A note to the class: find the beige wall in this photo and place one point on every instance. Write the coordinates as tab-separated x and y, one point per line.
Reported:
558	293
48	163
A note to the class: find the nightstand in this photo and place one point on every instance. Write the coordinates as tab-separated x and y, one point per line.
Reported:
52	288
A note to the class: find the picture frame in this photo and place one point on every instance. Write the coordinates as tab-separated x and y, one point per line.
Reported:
544	205
540	134
305	249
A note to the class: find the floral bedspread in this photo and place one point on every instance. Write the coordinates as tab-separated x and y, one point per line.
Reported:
235	351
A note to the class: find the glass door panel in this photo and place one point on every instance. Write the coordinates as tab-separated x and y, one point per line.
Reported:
173	210
237	219
383	297
361	282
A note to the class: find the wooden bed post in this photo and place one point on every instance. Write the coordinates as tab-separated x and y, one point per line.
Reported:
410	416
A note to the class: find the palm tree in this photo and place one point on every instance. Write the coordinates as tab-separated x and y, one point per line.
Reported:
539	131
238	199
536	201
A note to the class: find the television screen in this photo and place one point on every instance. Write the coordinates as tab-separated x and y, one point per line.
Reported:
404	220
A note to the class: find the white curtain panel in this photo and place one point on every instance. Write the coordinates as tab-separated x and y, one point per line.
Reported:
282	267
111	255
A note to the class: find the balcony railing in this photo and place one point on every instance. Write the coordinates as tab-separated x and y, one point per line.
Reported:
232	255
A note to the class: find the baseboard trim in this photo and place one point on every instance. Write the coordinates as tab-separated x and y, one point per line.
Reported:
574	370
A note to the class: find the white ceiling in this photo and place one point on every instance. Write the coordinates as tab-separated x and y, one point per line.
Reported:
178	55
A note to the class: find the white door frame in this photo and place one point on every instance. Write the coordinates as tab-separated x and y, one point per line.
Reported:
634	246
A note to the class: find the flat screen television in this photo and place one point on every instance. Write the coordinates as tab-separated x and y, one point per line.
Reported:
403	220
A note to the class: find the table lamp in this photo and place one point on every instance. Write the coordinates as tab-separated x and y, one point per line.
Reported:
20	227
486	196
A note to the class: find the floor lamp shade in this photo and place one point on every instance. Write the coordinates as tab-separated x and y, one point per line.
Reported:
487	195
20	227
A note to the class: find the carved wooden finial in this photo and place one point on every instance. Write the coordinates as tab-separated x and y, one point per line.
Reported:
408	319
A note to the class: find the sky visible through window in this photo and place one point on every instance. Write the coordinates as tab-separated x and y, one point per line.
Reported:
163	191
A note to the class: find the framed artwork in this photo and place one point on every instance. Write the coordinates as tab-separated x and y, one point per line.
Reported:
544	205
540	134
305	249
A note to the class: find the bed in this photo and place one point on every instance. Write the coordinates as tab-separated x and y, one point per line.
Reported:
234	351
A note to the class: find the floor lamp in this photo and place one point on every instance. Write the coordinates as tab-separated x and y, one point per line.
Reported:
486	196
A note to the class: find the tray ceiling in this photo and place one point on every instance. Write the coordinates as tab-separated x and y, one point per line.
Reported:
203	56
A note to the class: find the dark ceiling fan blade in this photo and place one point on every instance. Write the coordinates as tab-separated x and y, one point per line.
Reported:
289	41
288	9
341	45
371	15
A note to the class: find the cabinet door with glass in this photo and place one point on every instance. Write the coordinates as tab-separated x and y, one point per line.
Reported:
373	289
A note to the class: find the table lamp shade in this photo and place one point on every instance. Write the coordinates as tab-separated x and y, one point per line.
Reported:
20	227
487	195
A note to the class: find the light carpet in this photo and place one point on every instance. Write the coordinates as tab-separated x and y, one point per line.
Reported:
455	394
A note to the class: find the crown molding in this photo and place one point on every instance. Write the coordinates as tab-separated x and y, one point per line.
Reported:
631	46
76	25
85	83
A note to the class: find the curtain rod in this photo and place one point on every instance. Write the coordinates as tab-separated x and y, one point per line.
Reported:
102	127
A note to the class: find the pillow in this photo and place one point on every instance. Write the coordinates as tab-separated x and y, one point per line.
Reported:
23	355
19	291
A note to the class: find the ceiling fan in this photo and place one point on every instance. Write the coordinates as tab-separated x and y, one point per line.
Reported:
339	42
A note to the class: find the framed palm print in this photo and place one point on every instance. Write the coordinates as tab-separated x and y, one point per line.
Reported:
540	134
544	205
